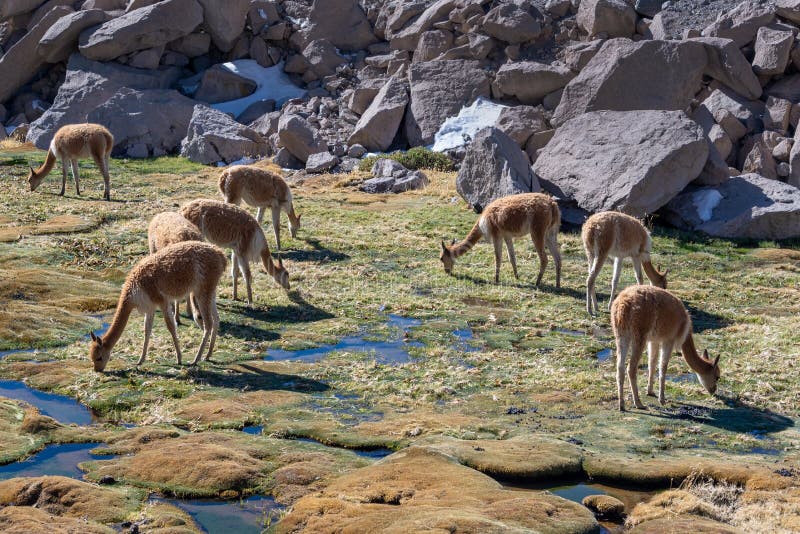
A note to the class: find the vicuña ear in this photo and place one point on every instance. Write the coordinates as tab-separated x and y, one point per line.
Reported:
453	242
665	272
444	247
716	360
96	339
32	171
280	263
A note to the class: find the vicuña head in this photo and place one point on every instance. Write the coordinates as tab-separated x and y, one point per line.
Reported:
276	270
99	353
294	224
35	178
533	214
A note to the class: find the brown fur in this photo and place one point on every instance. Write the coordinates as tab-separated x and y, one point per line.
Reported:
71	143
230	226
168	228
262	189
172	273
646	315
620	236
533	214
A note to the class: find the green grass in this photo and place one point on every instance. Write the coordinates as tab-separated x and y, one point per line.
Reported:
415	158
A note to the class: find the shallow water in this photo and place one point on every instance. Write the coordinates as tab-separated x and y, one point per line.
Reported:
60	459
604	355
63	409
245	516
393	350
364	453
464	340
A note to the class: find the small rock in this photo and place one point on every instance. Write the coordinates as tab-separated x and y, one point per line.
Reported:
356	151
321	162
107	479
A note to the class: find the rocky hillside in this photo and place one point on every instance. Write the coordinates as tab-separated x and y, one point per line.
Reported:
685	109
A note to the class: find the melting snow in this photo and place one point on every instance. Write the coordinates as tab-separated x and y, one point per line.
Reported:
705	201
247	160
271	83
457	131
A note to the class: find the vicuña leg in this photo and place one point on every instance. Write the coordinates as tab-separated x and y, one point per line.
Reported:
552	246
637	269
276	225
591	295
235	273
63	176
169	318
538	242
102	164
511	255
260	214
244	266
76	176
622	353
652	360
615	280
633	367
663	362
498	257
148	328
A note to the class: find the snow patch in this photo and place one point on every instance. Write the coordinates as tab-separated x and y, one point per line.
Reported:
459	130
10	129
705	201
302	23
247	160
271	84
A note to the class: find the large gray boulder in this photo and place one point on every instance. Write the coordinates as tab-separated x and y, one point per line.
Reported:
788	9
626	75
21	62
747	206
390	176
213	137
521	122
322	58
145	123
408	37
379	124
225	21
772	51
493	167
629	161
511	23
529	81
218	84
61	39
148	27
343	23
9	8
615	18
88	85
742	22
439	89
299	137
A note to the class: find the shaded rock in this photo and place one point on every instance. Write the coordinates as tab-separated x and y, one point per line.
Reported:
747	112
634	162
605	506
439	89
219	84
343	23
192	45
741	23
255	111
321	162
145	123
299	137
392	177
416	487
746	206
322	58
21	62
143	28
577	55
521	122
284	159
734	129
787	87
727	64
225	25
616	18
558	8
755	156
529	81
356	151
493	167
213	136
9	8
511	23
648	8
777	113
408	37
432	44
379	124
666	25
147	59
625	75
87	86
61	39
772	51
788	9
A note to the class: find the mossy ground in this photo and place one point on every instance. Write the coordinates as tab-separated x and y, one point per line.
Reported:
531	366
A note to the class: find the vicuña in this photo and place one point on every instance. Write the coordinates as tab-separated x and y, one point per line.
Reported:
646	315
230	226
620	236
71	143
262	189
168	228
155	282
533	214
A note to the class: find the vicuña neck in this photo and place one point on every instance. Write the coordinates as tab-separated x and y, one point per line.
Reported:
651	272
266	260
48	164
474	235
695	361
114	332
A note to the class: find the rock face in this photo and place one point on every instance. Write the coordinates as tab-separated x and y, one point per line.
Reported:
392	177
494	167
88	85
145	123
21	62
521	122
225	24
61	39
741	23
343	23
213	136
616	18
379	123
529	81
747	206
299	137
321	162
143	28
439	89
626	75
634	162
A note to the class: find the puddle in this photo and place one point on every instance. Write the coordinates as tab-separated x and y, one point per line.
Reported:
364	453
251	515
568	332
604	355
393	350
63	409
464	340
60	460
683	378
254	430
347	409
